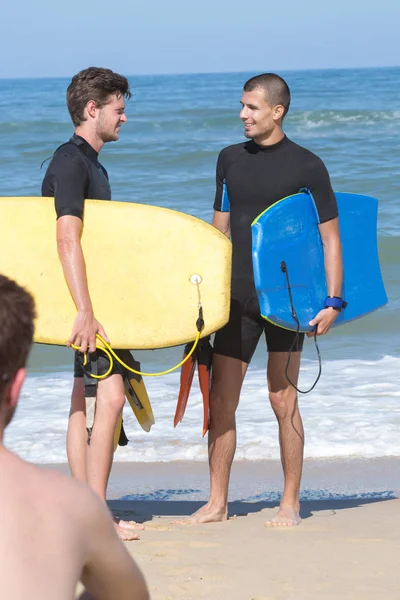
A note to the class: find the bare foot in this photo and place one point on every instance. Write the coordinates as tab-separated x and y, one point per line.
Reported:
286	517
128	524
205	514
128	535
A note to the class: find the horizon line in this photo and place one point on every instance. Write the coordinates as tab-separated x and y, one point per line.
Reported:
183	74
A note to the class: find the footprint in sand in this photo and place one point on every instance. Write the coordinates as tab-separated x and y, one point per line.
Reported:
152	526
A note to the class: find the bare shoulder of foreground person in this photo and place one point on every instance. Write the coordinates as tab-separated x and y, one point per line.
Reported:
110	572
55	533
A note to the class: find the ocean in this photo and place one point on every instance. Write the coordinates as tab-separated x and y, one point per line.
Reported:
166	156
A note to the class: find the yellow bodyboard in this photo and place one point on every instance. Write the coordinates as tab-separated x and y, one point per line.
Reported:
141	262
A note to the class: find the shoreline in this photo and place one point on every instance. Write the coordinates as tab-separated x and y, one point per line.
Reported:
253	481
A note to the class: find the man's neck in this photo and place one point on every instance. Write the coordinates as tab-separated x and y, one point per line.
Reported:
273	137
90	137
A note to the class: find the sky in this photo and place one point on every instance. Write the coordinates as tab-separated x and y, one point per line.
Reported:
57	38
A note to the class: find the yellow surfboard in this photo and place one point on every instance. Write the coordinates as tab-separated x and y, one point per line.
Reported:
142	266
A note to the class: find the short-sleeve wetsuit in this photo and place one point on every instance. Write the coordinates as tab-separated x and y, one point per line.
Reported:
74	173
250	178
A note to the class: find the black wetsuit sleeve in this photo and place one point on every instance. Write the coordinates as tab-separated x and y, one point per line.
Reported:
220	178
67	180
320	186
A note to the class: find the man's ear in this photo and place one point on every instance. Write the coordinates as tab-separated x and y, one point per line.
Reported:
15	387
91	108
278	112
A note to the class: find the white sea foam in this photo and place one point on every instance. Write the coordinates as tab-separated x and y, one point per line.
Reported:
354	411
329	118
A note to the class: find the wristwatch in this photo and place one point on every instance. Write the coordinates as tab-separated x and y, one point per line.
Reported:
335	302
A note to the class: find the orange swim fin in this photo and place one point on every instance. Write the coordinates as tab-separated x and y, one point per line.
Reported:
204	381
202	357
187	373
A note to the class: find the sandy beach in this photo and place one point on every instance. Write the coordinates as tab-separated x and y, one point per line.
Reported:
347	550
347	546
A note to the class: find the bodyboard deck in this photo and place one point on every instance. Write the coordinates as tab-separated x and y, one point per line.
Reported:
288	232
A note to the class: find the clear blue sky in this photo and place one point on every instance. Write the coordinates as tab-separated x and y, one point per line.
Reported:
57	38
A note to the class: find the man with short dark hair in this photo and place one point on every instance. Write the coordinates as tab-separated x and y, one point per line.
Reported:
54	530
251	176
95	99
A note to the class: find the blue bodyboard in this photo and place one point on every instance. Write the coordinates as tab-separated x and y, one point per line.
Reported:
288	231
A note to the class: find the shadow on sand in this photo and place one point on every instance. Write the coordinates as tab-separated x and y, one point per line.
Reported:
156	505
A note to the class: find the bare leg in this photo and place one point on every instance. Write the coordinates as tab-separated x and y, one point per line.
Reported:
77	434
284	402
109	404
227	378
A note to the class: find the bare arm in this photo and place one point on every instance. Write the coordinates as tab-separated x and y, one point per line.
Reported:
70	252
221	220
330	236
69	229
110	573
332	246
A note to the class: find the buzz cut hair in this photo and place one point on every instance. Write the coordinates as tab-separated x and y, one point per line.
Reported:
275	89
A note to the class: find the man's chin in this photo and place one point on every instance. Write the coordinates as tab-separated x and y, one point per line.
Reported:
111	138
248	135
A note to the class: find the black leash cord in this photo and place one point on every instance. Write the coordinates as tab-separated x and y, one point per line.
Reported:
284	270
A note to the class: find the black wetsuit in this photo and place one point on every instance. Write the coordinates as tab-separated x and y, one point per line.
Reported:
73	175
250	178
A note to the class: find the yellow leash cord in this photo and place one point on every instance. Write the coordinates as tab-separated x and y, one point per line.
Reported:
112	355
